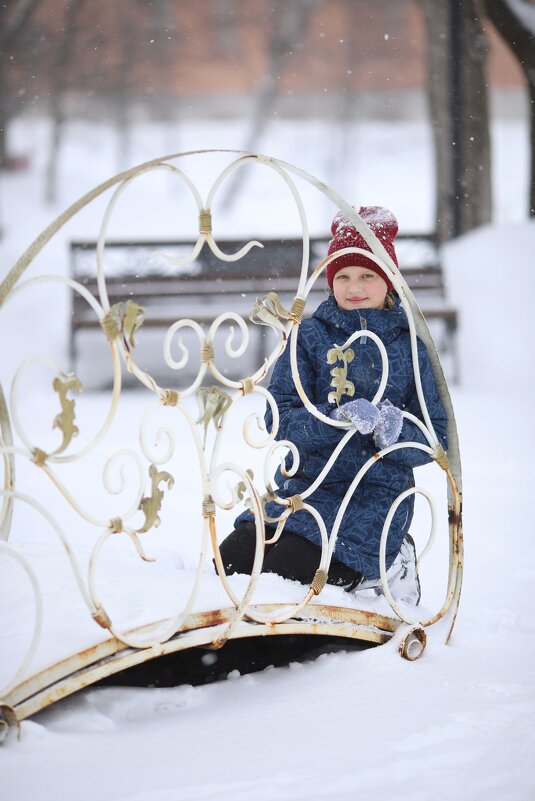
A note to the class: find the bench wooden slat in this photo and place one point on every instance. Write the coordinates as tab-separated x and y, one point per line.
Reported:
168	292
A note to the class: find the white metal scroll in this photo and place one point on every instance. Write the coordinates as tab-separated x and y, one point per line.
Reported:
225	484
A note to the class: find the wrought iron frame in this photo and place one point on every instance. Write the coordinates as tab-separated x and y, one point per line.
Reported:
27	693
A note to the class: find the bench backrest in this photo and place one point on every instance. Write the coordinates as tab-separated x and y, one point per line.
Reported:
139	267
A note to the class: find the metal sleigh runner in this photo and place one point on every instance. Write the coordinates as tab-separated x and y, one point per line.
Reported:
93	546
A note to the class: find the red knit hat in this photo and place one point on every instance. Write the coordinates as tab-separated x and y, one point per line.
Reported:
385	227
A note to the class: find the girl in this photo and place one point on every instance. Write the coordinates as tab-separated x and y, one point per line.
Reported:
362	299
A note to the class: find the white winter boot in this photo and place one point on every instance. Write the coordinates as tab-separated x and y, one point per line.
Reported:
402	576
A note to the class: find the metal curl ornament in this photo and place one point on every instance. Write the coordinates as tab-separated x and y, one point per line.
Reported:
151	504
212	628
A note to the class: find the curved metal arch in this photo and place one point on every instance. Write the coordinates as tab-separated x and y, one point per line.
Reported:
244	618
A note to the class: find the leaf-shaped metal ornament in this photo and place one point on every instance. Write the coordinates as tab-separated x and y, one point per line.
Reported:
240	489
151	506
267	497
133	319
126	318
213	403
270	311
65	419
342	385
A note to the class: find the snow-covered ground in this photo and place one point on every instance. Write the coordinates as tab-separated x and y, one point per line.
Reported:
456	724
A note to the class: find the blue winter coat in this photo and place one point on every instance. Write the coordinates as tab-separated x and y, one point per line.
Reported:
360	531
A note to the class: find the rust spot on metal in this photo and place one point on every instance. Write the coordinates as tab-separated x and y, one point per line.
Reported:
413	644
216	645
213	618
101	618
454	516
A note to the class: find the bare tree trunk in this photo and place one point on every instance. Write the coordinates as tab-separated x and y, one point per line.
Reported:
163	27
290	21
13	18
474	130
459	113
532	148
515	22
4	117
343	149
438	93
123	98
57	110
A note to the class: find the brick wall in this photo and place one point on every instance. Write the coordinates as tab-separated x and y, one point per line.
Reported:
175	48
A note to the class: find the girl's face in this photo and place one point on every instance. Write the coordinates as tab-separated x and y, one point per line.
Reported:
359	288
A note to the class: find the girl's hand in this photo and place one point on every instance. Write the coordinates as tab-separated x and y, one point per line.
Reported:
389	425
363	414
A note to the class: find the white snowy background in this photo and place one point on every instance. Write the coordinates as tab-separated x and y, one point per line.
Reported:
459	722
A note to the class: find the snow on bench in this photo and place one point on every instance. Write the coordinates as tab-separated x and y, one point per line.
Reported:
205	286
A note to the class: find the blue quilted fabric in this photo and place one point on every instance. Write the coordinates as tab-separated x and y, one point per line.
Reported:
359	535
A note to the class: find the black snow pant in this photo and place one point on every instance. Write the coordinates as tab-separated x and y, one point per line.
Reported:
292	557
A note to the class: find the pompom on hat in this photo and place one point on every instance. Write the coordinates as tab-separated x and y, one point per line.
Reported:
344	235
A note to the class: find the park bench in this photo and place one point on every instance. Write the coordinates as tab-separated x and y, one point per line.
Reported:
138	270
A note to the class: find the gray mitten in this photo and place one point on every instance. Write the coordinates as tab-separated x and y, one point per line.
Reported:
388	426
363	414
